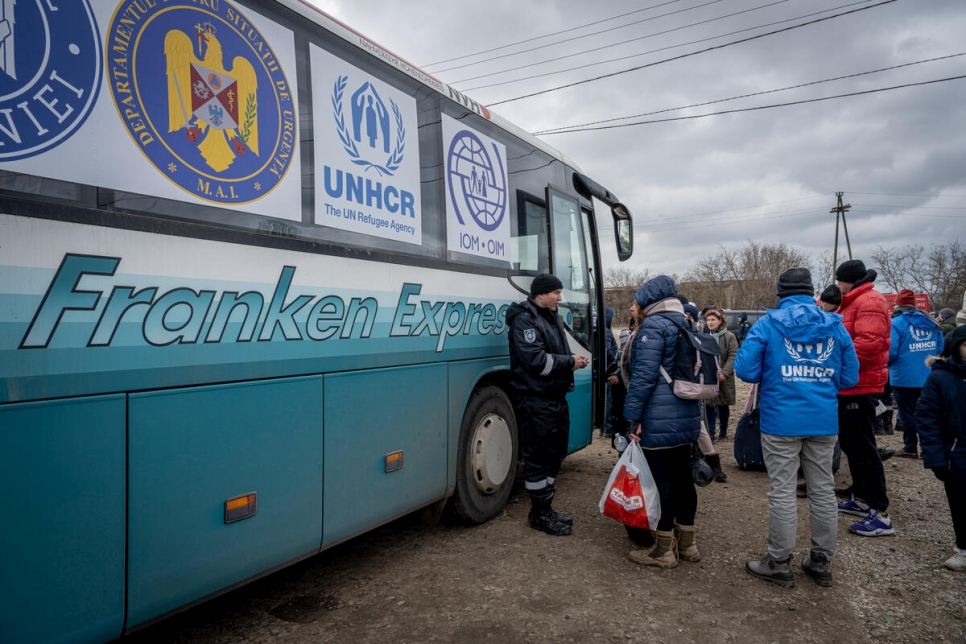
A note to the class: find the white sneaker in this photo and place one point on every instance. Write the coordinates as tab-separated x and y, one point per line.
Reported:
957	562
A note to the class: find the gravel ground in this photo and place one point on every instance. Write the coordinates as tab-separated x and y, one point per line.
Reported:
411	582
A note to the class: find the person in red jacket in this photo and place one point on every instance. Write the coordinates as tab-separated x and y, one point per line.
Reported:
865	315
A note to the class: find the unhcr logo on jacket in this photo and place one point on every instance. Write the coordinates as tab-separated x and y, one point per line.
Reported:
809	361
923	340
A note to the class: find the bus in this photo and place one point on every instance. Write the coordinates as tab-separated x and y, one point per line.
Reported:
254	270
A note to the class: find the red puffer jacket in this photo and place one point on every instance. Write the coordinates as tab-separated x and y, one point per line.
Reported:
865	315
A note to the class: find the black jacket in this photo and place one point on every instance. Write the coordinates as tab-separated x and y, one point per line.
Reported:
941	417
540	358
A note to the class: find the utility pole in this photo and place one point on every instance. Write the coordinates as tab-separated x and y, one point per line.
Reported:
840	211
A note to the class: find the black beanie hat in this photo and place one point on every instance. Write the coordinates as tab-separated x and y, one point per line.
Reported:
544	283
831	295
795	281
851	271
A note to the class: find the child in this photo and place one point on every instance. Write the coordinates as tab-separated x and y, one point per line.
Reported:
941	414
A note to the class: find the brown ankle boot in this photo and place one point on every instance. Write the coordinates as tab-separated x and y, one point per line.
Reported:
714	461
662	555
687	548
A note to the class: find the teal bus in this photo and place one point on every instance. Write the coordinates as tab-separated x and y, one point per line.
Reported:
254	271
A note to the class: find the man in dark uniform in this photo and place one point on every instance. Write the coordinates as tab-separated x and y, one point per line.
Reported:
542	368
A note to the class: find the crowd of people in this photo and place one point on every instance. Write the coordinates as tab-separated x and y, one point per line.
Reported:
826	369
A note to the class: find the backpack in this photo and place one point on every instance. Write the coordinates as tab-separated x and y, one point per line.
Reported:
696	365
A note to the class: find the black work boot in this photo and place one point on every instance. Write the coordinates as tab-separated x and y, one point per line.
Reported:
770	569
818	566
542	519
562	518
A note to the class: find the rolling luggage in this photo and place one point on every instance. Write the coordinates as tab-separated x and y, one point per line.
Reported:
748	452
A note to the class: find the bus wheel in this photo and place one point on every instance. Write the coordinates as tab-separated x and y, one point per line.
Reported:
486	462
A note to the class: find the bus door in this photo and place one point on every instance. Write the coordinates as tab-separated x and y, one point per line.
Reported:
570	264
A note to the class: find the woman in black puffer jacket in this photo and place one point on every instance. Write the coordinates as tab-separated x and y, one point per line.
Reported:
664	424
941	420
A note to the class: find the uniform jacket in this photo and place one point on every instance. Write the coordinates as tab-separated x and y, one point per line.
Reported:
941	416
540	358
666	420
728	344
612	347
915	336
865	315
743	329
802	357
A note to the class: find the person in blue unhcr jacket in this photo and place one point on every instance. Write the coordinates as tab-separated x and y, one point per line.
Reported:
915	336
801	356
664	424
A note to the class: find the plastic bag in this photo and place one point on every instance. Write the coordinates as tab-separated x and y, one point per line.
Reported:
631	495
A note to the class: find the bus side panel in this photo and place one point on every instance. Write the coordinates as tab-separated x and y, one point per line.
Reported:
463	376
191	450
372	414
579	401
62	535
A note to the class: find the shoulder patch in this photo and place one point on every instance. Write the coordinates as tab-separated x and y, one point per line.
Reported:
529	335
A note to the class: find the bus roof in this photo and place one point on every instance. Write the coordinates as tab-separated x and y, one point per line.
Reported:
347	33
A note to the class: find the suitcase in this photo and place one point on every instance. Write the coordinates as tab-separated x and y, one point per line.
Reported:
748	452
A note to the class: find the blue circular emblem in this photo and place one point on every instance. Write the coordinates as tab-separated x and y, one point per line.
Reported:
203	96
50	73
476	185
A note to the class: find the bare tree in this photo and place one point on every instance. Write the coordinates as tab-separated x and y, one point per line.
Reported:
625	277
939	271
742	278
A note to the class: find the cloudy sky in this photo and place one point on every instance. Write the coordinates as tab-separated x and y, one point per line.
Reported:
768	175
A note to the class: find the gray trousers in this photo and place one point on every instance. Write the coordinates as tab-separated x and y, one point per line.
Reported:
782	457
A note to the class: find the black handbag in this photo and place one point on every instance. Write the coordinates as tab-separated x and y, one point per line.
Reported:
701	472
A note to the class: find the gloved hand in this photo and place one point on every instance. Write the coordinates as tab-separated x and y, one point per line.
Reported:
942	473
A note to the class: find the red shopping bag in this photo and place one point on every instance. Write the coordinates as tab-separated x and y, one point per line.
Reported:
631	495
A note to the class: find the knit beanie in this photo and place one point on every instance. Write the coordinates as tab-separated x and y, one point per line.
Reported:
851	271
795	281
692	310
906	297
831	295
544	283
945	314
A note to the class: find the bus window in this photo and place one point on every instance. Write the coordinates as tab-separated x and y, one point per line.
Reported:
531	246
570	263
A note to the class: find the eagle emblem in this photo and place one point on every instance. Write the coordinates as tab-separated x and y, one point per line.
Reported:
204	97
217	107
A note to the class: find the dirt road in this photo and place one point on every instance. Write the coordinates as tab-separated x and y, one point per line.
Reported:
503	582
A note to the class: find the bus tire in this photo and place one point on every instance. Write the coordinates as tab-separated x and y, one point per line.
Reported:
486	457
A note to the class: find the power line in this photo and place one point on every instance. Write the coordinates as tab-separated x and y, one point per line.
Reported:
694	53
555	33
902	194
567	128
760	107
596	33
584	52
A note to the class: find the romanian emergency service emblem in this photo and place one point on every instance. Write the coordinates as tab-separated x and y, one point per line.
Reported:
203	96
529	335
50	73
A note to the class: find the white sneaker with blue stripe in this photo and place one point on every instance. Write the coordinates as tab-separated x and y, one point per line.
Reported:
874	525
853	506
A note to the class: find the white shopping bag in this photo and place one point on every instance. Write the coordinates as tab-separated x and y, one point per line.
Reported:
631	495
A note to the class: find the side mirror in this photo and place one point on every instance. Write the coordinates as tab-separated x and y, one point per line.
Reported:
623	231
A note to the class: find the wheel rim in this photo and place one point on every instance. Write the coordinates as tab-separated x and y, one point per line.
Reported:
492	453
